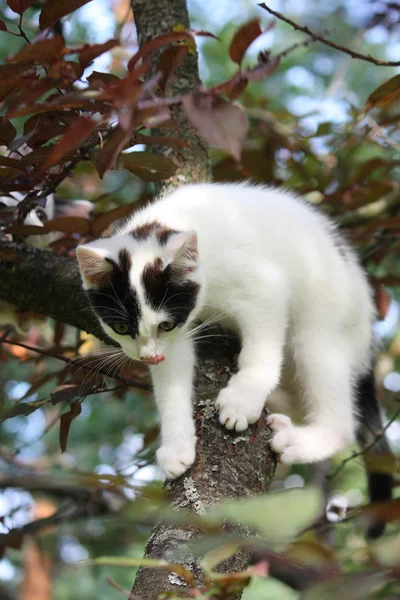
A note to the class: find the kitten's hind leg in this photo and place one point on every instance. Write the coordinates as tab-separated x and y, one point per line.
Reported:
325	378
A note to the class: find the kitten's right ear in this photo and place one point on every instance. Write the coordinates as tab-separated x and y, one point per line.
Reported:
94	267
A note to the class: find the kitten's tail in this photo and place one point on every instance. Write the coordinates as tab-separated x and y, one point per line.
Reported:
380	484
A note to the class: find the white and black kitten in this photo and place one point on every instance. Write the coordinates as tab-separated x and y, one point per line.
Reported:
266	265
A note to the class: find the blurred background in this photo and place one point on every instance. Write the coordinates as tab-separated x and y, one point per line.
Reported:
308	131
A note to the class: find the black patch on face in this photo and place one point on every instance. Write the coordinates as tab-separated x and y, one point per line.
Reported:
175	295
162	233
116	291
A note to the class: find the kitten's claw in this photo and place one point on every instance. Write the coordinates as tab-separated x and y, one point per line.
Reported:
176	457
235	410
285	441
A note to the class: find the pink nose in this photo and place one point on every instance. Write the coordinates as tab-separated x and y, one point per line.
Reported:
155	360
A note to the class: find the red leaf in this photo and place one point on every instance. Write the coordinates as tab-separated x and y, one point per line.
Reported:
105	219
382	301
98	80
107	157
7	132
42	51
53	11
202	33
3	26
169	60
265	69
386	93
66	420
92	51
24	230
158	42
19	6
243	38
78	132
149	166
68	225
221	124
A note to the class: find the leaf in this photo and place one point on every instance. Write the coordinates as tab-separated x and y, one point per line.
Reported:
158	42
169	60
263	70
107	157
221	124
105	219
360	586
70	391
65	423
149	166
24	230
218	555
3	26
92	51
382	301
19	6
386	93
242	39
9	255
202	33
65	243
7	132
154	563
42	51
276	516
98	79
78	132
68	225
54	11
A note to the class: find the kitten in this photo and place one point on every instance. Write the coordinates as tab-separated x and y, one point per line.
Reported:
266	265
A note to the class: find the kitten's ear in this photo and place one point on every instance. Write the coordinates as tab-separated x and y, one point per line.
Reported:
182	252
94	267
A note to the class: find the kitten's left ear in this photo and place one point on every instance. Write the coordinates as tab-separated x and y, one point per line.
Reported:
181	251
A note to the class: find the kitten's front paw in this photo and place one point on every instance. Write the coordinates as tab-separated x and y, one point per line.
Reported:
174	458
236	409
285	441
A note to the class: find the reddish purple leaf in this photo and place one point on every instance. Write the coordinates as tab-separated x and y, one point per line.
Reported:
66	420
53	10
7	132
91	51
107	157
68	225
156	43
42	51
264	69
19	6
221	124
242	39
78	132
169	60
3	26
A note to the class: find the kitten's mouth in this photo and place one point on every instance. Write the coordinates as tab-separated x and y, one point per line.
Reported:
155	360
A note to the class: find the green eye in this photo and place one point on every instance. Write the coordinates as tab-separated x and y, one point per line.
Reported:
121	328
167	325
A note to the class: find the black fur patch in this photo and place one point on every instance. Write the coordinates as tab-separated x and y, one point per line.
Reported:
175	295
162	233
107	299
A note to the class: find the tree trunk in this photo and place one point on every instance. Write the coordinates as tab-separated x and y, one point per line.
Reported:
227	466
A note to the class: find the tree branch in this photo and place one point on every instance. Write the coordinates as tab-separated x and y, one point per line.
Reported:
319	38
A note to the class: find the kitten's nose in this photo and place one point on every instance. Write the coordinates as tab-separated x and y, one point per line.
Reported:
153	360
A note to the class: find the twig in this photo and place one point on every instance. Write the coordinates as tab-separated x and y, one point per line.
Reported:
293	47
72	362
379	434
319	38
371	210
118	587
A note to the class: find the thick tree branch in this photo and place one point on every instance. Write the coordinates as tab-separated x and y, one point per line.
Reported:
319	38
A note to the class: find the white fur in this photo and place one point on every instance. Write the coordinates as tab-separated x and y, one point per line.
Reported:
274	269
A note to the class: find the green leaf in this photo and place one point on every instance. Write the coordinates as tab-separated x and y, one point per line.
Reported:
277	516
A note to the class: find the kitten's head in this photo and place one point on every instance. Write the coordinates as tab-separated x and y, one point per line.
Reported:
144	286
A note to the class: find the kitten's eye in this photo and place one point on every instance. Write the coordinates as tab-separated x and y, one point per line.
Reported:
167	325
121	328
41	215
